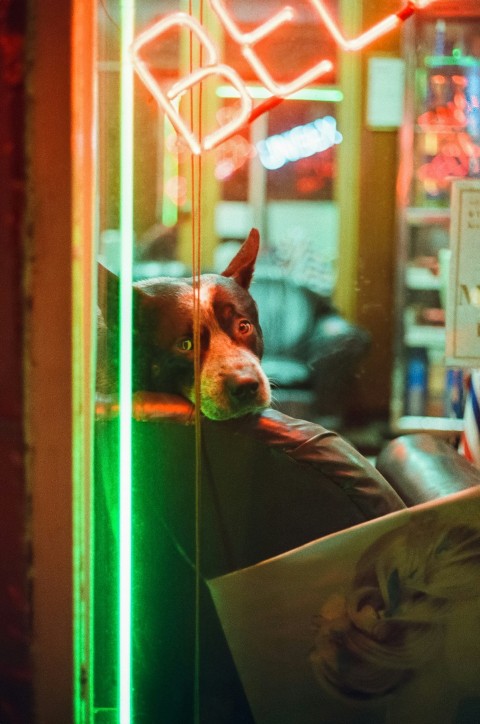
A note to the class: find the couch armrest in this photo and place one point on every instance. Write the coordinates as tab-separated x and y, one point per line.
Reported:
325	455
422	468
295	481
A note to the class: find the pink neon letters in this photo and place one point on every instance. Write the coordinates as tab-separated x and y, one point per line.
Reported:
248	40
169	100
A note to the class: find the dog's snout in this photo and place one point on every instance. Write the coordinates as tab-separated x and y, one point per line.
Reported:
243	388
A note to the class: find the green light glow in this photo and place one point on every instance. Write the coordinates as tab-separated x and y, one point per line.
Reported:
437	61
170	171
320	93
125	385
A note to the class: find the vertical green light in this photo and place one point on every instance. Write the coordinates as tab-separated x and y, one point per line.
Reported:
170	171
126	266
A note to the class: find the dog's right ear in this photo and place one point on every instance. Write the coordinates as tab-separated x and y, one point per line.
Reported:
243	263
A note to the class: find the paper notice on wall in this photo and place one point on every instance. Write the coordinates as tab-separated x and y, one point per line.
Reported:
379	623
463	295
386	91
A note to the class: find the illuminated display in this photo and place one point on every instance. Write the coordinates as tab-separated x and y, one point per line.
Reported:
454	101
455	155
299	142
452	129
168	100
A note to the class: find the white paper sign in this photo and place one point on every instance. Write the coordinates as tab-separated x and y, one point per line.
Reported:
463	298
386	90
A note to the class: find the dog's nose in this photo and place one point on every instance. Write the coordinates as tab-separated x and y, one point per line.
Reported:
243	388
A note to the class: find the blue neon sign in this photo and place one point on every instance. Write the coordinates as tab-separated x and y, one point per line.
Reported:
299	142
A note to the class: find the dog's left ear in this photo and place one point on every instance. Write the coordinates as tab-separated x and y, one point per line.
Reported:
242	265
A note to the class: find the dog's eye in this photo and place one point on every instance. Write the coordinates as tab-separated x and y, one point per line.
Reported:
185	344
244	326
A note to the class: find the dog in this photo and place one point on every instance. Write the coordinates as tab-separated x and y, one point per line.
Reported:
232	382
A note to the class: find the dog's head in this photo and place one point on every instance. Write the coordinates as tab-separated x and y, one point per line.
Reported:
232	382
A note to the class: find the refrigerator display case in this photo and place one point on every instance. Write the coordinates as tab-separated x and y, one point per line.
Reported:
439	141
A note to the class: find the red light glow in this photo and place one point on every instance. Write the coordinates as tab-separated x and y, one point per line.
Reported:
232	155
457	157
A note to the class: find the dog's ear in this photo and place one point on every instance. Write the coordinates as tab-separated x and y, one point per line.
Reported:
242	265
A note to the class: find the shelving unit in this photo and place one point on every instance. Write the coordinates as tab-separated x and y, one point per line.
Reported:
440	140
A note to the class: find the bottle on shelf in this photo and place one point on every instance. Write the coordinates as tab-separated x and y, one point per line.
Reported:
416	382
454	393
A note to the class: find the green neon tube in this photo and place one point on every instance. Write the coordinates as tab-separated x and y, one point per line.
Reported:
456	58
170	170
125	384
325	94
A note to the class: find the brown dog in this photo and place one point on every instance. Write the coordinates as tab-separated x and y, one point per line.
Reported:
232	382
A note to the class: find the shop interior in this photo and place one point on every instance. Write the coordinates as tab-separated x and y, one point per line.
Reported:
160	551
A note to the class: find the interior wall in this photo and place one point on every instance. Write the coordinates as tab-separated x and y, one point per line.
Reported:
368	169
48	355
15	665
377	236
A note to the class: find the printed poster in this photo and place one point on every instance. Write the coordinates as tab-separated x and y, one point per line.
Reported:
378	623
463	297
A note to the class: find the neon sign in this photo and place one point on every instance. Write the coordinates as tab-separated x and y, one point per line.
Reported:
211	66
299	142
246	41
